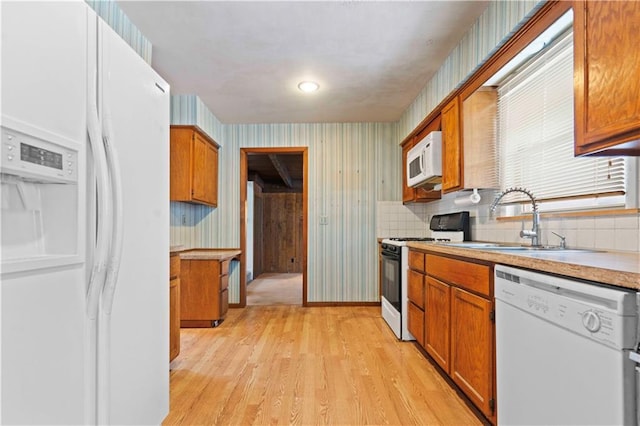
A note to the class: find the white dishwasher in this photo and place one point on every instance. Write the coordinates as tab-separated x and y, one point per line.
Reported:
562	351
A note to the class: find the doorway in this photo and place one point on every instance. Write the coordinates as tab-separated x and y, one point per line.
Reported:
280	194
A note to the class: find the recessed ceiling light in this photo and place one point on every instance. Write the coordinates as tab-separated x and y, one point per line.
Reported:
308	86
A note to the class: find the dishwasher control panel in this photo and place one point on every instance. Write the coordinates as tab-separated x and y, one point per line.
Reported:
604	314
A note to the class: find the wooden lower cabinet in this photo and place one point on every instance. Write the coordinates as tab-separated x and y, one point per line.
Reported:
415	294
204	300
174	306
437	319
472	347
458	329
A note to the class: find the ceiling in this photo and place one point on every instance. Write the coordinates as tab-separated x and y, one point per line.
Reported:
276	172
245	59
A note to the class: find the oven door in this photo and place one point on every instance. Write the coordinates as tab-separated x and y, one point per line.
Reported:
391	287
391	277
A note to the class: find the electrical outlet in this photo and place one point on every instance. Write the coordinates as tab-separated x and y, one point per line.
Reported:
184	219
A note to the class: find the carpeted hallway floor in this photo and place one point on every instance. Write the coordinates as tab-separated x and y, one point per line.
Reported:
275	289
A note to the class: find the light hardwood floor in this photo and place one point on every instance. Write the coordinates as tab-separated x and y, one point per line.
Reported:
294	365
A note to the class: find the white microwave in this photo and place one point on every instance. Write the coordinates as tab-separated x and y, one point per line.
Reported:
424	161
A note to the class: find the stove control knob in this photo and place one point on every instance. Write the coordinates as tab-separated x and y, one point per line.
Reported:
591	321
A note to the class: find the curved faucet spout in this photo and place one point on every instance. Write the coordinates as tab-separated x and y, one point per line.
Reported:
535	233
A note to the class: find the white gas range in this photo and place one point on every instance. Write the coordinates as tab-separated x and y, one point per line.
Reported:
395	265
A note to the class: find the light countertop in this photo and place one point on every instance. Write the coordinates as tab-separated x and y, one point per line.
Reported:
210	254
614	268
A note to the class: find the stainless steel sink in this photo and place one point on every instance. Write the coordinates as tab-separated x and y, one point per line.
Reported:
513	247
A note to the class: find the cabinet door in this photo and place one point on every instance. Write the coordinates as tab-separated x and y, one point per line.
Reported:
174	318
451	147
180	169
214	176
415	323
200	290
472	339
437	321
204	170
607	76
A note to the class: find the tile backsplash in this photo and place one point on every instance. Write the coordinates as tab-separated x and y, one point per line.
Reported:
398	220
615	232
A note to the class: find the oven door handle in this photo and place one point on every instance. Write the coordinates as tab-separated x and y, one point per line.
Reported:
391	257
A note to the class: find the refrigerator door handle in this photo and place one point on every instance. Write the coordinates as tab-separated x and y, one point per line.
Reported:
117	218
96	282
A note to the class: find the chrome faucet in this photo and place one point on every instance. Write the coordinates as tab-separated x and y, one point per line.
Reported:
536	232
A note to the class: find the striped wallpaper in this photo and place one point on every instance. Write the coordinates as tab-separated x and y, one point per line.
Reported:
115	17
352	166
490	31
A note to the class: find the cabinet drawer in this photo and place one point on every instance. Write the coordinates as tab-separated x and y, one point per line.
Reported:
224	302
415	288
471	276
224	282
416	260
416	323
174	265
224	267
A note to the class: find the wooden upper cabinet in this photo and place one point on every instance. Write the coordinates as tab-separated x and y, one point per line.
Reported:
479	135
194	166
607	77
451	147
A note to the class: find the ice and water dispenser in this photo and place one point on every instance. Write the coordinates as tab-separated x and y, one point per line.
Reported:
41	196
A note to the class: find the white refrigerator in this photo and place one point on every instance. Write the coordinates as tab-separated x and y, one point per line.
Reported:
84	272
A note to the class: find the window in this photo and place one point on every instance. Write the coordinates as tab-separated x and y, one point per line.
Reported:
535	138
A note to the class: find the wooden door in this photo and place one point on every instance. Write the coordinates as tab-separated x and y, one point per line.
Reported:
437	321
282	230
257	231
472	340
451	147
607	76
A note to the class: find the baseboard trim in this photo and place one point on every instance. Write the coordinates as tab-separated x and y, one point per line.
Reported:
324	304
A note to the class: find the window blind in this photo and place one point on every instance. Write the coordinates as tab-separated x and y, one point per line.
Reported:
535	133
